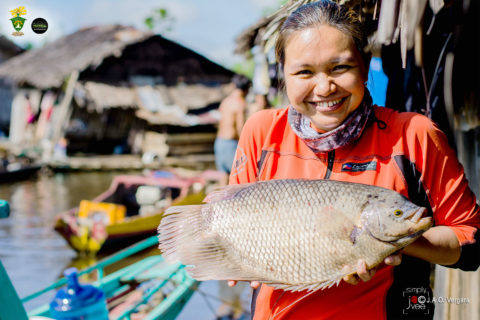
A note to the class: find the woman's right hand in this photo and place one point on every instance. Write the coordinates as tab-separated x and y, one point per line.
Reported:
253	284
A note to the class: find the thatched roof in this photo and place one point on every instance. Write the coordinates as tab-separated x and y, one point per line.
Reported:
101	96
388	21
267	27
251	36
8	49
196	96
156	104
48	66
114	55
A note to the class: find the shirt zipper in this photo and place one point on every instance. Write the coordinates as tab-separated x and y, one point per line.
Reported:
331	158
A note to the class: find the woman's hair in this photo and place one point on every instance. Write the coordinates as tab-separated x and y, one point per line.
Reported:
324	12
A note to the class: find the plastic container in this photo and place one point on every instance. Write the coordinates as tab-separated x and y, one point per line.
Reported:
4	209
77	301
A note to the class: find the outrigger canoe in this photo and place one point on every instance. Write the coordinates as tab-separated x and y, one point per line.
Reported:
148	289
115	218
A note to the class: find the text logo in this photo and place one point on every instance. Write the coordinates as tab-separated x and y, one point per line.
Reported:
18	21
39	25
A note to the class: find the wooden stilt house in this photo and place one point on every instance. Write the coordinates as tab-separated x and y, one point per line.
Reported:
110	89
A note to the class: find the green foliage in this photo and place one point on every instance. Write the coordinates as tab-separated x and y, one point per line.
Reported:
245	68
159	21
28	46
269	10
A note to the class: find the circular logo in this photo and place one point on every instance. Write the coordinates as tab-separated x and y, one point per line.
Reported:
39	25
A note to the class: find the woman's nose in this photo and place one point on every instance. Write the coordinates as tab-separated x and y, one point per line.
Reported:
324	86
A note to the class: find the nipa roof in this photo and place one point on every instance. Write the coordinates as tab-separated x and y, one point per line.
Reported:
48	66
389	21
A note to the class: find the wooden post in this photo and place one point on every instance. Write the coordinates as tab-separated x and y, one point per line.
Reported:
63	112
457	294
460	290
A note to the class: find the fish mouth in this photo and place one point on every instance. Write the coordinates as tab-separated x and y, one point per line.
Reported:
421	224
417	215
421	221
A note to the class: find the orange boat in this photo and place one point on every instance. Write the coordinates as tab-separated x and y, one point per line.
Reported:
130	210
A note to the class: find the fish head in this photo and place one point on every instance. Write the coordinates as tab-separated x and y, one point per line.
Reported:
391	217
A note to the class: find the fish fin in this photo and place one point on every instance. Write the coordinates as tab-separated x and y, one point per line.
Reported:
183	238
226	192
308	286
178	227
292	304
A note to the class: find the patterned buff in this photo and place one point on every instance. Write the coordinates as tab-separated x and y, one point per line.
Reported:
346	133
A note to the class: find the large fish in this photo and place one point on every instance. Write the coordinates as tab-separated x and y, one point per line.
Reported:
291	234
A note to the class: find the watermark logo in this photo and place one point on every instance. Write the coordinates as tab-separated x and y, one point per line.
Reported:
39	25
421	301
18	21
418	301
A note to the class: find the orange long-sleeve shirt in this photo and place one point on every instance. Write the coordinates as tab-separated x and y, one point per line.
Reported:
404	152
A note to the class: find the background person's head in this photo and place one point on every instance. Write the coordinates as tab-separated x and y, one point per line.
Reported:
241	82
324	69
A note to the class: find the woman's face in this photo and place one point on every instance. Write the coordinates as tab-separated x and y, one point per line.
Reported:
324	75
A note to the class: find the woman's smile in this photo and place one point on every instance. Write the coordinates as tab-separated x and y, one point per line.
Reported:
328	106
324	75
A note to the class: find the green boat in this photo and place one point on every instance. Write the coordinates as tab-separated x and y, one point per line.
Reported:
150	287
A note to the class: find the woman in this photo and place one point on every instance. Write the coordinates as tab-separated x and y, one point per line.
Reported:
331	130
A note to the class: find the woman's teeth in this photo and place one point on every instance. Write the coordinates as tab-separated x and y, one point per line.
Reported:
327	104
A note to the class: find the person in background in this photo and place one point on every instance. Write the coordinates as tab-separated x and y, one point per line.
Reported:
332	130
260	102
232	118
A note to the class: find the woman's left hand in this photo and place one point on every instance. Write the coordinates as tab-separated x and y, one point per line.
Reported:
365	274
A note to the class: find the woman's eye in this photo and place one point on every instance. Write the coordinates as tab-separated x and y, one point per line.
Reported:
342	67
303	72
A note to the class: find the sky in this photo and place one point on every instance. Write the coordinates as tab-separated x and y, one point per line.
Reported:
208	27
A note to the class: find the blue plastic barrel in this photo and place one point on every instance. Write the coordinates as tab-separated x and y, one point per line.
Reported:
77	301
4	209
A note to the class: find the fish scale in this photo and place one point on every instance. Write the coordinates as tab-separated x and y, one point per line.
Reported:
292	234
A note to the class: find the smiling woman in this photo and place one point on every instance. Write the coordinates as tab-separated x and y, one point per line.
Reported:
332	130
324	75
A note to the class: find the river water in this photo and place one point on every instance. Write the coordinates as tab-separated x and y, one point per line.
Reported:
35	256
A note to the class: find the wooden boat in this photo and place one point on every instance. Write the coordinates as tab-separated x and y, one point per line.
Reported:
115	217
17	172
148	289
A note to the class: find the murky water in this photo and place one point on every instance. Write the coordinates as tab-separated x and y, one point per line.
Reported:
35	256
32	253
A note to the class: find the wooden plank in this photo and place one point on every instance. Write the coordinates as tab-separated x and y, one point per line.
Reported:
189	138
457	294
190	149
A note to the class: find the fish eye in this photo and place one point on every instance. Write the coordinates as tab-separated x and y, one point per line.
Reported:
398	213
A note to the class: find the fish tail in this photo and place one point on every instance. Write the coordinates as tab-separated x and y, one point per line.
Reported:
183	238
179	228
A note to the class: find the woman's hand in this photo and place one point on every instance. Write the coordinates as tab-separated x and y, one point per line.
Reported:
253	284
365	274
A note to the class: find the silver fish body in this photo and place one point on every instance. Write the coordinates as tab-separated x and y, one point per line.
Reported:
292	234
